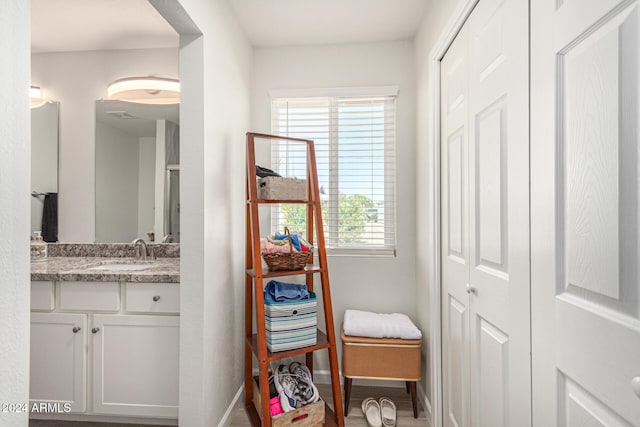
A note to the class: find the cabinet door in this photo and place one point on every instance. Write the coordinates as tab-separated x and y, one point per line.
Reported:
135	365
58	360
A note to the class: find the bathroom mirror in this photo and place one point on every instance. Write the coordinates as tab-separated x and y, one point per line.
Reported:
137	172
44	162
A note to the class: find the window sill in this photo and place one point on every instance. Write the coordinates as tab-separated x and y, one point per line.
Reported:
361	252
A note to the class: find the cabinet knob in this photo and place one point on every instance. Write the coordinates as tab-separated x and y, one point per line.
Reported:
156	298
471	289
76	329
95	330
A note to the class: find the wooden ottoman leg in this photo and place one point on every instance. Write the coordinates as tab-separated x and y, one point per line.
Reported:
414	399
407	384
347	395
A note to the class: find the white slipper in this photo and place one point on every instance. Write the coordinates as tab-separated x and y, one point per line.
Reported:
371	411
388	412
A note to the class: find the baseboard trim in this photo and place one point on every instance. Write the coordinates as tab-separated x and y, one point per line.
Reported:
228	415
426	405
90	418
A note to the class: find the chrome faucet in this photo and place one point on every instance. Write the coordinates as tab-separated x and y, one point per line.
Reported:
142	251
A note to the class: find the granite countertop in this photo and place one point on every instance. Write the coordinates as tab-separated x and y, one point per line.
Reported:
163	270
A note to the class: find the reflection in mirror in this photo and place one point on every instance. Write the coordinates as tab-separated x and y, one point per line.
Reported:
44	170
137	169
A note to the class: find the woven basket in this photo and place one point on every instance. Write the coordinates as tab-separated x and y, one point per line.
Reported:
290	261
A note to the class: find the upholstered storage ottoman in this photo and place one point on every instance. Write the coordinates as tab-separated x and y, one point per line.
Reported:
381	359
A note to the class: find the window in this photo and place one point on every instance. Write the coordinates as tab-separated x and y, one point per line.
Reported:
354	139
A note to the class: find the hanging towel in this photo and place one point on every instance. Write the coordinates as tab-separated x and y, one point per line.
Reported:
50	218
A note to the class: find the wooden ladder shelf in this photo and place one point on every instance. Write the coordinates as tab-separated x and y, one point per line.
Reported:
256	343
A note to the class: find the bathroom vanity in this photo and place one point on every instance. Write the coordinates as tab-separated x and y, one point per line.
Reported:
105	338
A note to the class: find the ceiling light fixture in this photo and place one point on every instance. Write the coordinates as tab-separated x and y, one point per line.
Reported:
145	90
35	95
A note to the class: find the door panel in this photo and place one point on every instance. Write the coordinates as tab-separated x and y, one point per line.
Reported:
499	275
585	222
457	340
455	177
58	368
135	365
455	236
578	408
493	368
490	189
486	135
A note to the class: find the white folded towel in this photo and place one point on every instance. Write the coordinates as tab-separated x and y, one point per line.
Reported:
373	325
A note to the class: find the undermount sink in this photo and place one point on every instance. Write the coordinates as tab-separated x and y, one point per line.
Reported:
123	267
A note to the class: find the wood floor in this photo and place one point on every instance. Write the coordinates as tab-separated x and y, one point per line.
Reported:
355	417
57	423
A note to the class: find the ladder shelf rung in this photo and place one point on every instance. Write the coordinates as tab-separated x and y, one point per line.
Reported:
310	269
281	202
322	343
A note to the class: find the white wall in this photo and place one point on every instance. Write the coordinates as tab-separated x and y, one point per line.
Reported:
14	209
116	171
44	157
146	187
437	21
381	284
160	178
215	70
77	80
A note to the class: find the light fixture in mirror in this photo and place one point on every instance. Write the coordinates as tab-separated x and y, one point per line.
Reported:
35	95
137	168
145	90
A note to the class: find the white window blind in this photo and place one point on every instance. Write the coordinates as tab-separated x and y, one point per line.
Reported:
354	140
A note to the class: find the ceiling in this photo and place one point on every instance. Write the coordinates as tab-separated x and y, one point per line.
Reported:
135	119
312	22
77	25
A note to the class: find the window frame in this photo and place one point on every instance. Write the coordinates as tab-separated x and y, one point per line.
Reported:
334	96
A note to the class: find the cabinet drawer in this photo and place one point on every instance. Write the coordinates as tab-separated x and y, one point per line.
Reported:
152	297
89	296
42	296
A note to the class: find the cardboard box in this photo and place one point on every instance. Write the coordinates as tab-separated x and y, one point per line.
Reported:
281	188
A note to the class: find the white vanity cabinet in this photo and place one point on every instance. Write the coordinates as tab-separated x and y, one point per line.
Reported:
106	348
135	365
58	359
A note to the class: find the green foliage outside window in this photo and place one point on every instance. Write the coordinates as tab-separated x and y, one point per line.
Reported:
354	212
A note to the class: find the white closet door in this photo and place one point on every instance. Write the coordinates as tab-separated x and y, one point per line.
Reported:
500	330
585	219
454	232
486	292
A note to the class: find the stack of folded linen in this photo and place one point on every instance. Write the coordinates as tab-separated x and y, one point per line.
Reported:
376	325
269	247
